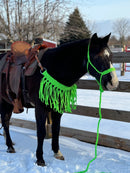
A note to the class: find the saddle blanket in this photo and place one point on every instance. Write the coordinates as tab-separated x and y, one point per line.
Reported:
2	62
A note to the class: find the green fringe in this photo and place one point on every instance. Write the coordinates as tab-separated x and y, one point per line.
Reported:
59	97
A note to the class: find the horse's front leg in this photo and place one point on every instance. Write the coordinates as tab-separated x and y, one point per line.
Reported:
41	114
6	112
56	117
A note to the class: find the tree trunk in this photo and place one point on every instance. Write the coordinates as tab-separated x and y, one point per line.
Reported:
8	18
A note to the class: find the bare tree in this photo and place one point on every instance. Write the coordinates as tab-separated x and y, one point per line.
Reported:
8	16
54	14
5	19
122	28
25	19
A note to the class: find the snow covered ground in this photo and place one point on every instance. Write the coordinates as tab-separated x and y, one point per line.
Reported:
77	154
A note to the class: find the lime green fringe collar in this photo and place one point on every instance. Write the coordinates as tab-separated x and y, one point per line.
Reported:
59	97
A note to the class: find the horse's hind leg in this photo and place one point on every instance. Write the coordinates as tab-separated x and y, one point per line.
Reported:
56	117
6	112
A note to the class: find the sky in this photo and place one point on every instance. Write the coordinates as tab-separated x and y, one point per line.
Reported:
101	14
103	9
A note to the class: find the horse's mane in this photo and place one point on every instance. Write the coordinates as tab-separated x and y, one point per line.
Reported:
73	44
75	47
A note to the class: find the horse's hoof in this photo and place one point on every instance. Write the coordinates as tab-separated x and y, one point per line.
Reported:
59	155
11	150
40	163
13	143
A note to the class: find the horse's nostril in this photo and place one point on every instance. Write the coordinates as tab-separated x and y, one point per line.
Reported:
112	86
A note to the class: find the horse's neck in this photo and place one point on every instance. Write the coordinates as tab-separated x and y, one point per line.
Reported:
69	63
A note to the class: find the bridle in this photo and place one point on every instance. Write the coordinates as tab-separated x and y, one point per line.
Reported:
99	72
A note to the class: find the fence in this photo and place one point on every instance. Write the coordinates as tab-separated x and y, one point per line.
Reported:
4	50
116	115
127	67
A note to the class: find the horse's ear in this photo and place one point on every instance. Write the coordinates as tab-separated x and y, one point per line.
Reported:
94	36
106	39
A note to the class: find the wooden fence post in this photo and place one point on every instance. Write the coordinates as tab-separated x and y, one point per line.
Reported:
123	69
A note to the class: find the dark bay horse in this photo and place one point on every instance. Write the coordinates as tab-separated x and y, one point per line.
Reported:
67	64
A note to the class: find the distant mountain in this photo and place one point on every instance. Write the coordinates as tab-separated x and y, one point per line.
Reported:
104	27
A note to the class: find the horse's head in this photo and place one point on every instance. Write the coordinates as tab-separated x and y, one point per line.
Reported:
101	59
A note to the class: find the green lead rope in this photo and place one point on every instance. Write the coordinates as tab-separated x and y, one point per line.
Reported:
100	100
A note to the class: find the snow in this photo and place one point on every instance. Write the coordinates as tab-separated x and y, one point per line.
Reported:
77	154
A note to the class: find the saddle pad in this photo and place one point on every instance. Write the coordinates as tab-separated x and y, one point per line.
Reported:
14	78
2	62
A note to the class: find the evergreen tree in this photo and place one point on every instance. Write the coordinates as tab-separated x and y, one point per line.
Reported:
75	28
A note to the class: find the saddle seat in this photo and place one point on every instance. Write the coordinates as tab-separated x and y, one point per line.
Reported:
18	60
20	52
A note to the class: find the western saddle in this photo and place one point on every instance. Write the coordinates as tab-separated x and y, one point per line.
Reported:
17	66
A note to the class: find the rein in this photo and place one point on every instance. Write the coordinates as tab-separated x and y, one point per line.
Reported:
100	100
